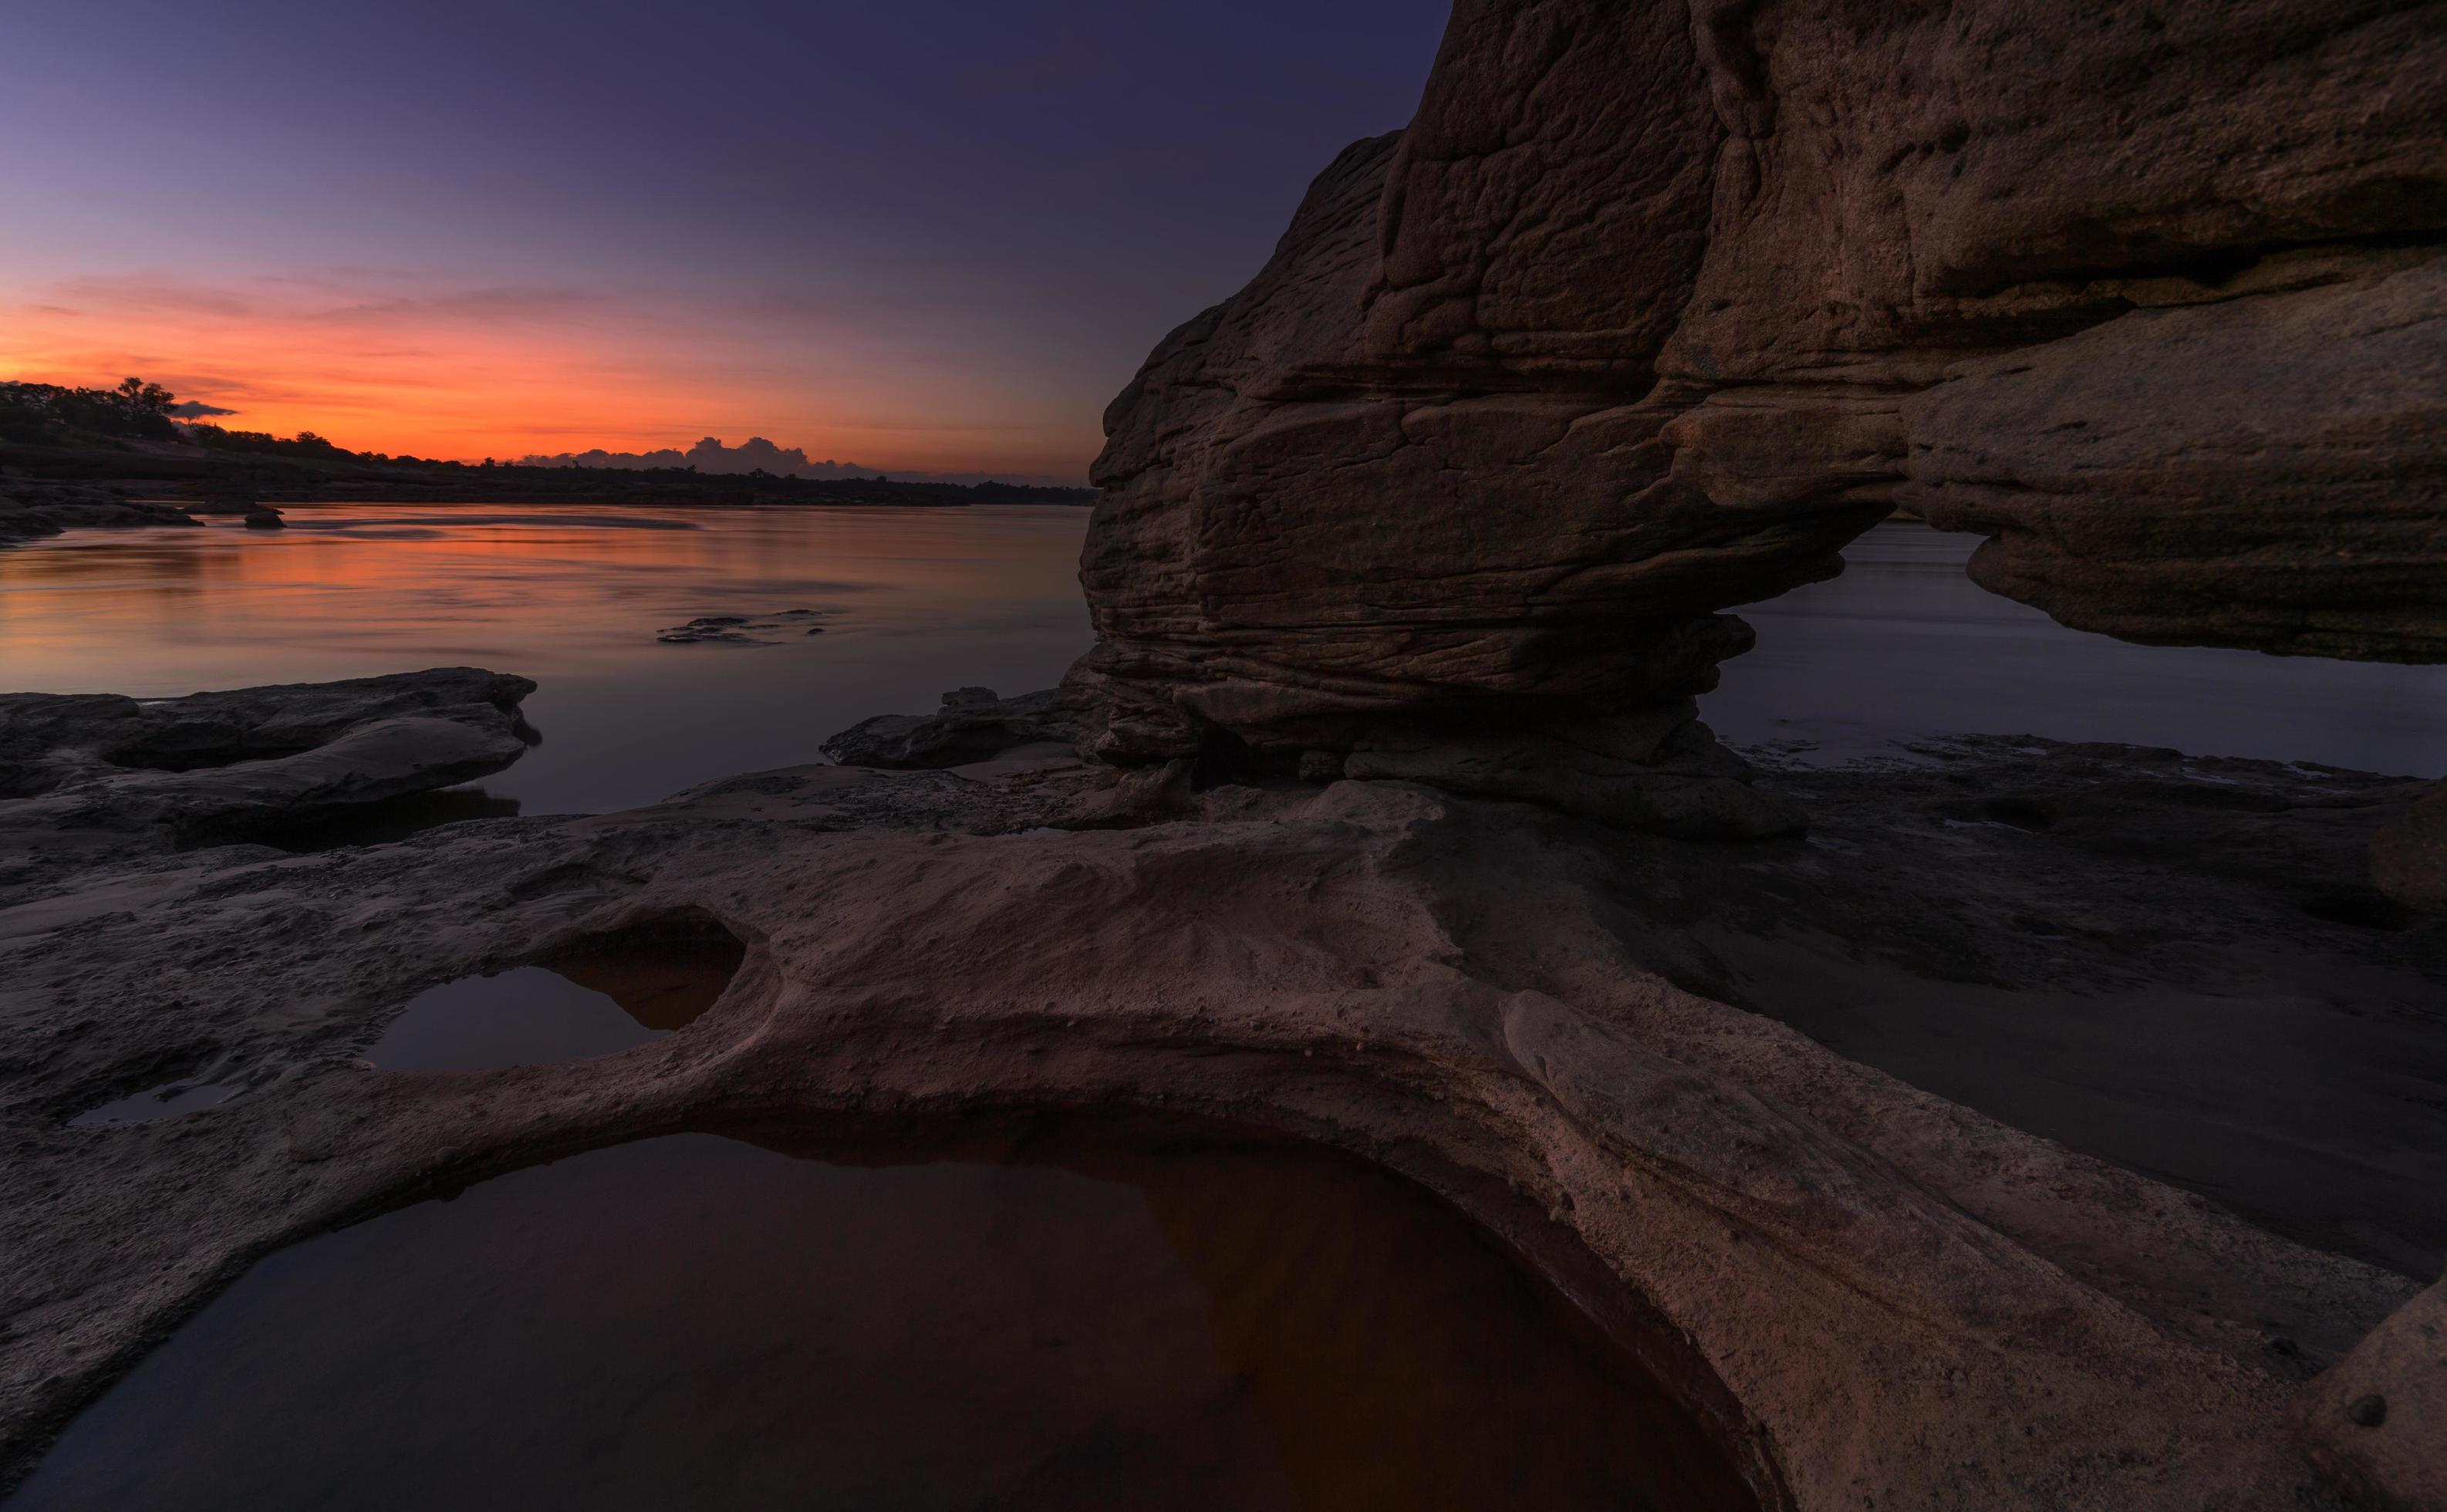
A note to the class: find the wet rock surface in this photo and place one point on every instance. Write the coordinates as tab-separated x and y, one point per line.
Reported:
1868	1290
1651	308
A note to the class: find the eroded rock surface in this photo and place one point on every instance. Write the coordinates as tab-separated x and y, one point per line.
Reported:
1653	306
88	775
1872	1293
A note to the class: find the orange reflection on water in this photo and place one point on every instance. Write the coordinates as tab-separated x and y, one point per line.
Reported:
910	602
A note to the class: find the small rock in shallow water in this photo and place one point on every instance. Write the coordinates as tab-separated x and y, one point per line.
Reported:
734	629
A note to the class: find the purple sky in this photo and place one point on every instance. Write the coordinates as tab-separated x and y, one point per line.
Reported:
942	232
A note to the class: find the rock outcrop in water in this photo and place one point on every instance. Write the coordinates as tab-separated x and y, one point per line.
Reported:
85	775
1654	307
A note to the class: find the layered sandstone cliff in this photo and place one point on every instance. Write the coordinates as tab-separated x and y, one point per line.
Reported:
1654	306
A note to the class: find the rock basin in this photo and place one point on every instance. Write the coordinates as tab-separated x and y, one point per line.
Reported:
1071	1321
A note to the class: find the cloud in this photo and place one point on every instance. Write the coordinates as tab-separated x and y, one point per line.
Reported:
757	454
196	410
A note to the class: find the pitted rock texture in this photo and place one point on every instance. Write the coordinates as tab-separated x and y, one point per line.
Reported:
1654	306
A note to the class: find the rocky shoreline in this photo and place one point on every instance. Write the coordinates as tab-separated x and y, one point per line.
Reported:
1868	1291
1998	1125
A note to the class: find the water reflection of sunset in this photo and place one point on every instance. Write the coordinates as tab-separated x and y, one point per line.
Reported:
912	602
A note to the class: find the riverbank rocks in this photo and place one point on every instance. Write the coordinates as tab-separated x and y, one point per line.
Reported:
30	511
85	774
1651	308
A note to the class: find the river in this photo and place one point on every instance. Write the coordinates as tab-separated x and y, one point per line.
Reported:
910	602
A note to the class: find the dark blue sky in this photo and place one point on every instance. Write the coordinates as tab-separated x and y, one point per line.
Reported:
938	231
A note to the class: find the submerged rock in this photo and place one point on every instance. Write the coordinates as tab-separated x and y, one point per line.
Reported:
739	630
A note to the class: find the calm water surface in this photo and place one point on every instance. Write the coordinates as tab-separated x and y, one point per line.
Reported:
698	1323
1905	644
912	602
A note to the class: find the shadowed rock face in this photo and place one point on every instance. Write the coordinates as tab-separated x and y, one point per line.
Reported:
1654	307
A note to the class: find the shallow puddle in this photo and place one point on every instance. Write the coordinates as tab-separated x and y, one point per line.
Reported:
604	996
698	1322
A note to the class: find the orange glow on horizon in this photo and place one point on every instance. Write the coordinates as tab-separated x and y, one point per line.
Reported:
505	373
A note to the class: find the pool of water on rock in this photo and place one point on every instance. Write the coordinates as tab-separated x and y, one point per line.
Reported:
592	999
594	996
695	1321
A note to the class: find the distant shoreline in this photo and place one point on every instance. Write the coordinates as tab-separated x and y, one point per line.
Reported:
47	490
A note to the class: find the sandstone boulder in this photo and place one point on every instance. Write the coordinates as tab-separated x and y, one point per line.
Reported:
1651	308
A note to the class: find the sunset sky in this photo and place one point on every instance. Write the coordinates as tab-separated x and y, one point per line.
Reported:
918	234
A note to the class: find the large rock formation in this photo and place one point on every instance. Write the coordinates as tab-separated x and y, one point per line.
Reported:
1654	305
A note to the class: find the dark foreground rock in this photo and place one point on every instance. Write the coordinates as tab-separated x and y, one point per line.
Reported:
1653	306
88	775
1875	1295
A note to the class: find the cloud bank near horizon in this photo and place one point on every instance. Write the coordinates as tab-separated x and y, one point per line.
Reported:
757	454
